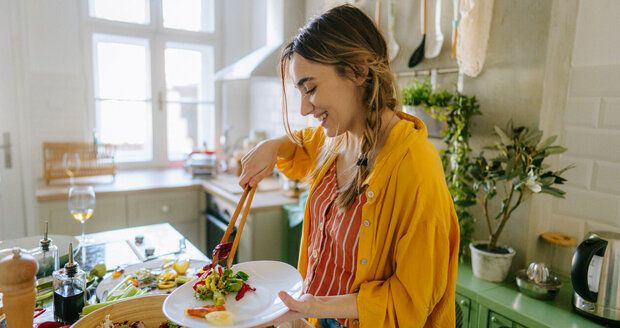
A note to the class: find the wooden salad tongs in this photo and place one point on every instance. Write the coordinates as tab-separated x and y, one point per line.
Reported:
225	249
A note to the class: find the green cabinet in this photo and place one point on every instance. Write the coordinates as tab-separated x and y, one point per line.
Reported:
469	309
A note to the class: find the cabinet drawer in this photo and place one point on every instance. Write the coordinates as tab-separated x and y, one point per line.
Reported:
177	206
498	321
464	304
109	214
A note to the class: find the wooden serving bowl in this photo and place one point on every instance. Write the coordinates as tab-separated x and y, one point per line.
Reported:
147	309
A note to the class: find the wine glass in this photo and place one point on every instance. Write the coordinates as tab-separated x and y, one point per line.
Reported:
71	163
82	205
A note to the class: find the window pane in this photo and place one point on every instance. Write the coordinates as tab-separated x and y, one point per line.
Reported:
122	71
128	125
130	11
189	96
190	127
187	15
184	74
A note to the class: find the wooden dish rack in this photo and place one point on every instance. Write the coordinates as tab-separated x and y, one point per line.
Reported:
94	159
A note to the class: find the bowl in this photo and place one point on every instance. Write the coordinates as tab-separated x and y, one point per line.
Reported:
147	309
543	291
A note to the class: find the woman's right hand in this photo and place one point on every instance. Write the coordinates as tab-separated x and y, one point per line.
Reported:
259	163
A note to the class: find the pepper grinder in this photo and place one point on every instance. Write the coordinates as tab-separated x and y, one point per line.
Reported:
69	287
47	257
18	285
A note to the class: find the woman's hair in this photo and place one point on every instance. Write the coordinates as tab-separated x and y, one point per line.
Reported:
347	39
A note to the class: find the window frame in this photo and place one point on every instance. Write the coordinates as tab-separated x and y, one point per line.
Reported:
157	37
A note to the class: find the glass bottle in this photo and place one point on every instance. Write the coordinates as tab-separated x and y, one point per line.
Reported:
47	257
69	291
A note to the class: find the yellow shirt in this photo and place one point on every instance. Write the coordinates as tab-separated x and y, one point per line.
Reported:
408	250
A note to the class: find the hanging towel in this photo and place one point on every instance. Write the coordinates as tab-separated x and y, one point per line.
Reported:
473	35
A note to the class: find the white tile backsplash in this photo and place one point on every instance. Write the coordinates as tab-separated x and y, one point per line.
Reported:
606	177
610	113
589	205
582	111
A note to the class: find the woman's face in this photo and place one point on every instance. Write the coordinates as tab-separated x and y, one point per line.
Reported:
334	100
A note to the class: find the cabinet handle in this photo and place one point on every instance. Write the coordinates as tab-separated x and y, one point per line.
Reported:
495	320
165	209
463	303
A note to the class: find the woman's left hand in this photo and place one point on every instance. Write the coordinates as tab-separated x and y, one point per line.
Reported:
298	308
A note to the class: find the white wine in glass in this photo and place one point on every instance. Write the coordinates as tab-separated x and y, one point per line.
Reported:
82	205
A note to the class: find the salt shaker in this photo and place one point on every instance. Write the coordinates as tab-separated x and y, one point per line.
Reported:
47	257
18	285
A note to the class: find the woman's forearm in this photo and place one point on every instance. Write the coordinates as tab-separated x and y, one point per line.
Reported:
340	306
286	147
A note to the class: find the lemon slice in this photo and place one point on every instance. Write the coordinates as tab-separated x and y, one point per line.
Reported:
181	266
219	318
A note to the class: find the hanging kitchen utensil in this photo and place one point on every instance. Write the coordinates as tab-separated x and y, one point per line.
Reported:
455	26
226	250
392	46
378	13
474	31
435	41
418	53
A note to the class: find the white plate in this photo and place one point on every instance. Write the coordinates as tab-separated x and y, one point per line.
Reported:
108	283
255	308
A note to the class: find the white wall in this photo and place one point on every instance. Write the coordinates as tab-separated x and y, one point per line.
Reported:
584	109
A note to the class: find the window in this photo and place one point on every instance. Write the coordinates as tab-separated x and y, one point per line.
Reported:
153	84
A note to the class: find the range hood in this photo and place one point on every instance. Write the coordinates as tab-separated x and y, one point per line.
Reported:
282	21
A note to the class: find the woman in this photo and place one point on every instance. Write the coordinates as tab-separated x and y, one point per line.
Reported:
380	235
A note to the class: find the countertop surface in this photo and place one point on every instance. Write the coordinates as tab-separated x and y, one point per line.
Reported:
268	195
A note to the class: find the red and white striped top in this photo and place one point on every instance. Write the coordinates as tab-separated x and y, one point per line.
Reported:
333	240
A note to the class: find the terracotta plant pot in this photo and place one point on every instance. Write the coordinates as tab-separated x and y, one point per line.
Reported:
488	265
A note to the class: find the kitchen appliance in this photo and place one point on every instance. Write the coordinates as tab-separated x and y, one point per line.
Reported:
200	164
596	277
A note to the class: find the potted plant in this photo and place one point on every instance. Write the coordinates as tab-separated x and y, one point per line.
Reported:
517	171
455	112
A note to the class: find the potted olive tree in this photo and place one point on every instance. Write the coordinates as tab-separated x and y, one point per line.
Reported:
517	171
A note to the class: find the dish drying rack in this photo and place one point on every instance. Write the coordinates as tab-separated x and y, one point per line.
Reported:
95	159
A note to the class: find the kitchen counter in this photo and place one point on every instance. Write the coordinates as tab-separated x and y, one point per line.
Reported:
126	182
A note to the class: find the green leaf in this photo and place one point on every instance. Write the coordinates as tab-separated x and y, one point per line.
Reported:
502	135
554	150
546	143
553	191
533	138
